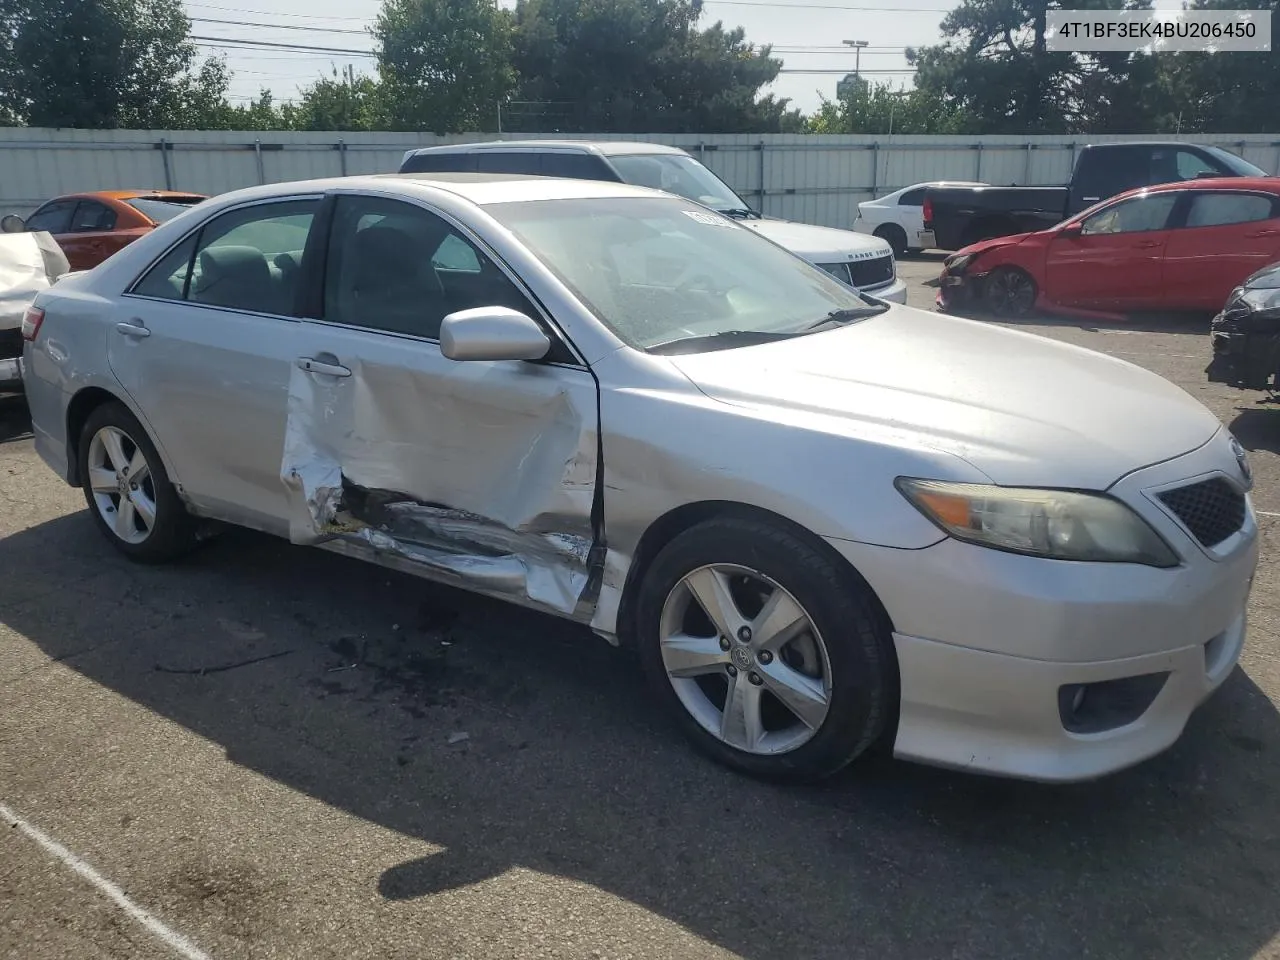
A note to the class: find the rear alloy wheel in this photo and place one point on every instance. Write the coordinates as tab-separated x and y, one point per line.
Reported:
128	490
1009	292
895	236
771	659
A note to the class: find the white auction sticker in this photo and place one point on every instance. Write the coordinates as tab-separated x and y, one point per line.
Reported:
710	219
1158	31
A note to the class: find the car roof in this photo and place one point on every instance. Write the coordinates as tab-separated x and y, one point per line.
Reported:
602	147
127	194
1265	184
480	189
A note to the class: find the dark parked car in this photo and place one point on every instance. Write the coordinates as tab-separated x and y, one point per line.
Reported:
1246	335
959	216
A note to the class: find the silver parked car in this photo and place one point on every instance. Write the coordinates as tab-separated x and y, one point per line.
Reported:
821	519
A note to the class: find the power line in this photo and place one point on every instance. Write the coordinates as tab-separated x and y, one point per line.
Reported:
272	13
273	45
280	26
902	72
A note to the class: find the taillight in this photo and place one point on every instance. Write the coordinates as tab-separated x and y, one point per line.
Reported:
926	211
31	321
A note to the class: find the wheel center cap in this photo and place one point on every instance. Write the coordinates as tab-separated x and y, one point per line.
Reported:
122	485
742	658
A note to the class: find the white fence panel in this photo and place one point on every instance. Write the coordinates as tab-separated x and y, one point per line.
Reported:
816	179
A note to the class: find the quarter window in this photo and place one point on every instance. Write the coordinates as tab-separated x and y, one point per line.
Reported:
1220	209
91	216
912	198
1138	215
396	267
245	259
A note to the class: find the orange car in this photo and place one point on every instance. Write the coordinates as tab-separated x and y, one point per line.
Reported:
91	226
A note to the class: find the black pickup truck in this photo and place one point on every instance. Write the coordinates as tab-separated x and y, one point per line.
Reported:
959	216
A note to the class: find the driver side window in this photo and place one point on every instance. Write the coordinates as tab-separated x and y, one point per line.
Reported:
395	267
1136	215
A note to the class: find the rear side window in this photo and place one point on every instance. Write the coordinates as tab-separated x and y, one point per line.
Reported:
246	259
54	216
1221	209
912	198
576	166
439	163
1105	173
502	161
92	216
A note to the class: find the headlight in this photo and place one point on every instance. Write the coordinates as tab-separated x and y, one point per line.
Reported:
956	264
1058	524
1261	298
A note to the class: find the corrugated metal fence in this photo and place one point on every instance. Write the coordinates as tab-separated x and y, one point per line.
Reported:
815	179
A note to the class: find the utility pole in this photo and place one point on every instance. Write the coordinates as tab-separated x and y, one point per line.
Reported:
857	54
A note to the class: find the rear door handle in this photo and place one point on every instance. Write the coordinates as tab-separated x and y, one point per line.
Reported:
1264	233
311	365
133	329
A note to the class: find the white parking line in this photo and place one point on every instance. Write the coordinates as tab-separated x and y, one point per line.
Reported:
1263	513
171	938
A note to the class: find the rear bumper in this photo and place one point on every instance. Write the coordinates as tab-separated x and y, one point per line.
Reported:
10	361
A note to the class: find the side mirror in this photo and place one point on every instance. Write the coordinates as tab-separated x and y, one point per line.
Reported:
492	333
1071	230
12	224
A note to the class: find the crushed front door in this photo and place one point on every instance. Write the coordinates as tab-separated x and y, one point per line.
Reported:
482	474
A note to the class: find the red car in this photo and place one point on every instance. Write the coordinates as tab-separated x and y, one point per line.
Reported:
91	226
1176	246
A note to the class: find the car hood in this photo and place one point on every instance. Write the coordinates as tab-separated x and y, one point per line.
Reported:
820	244
995	243
1022	409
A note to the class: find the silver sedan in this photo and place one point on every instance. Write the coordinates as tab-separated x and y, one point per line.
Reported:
822	520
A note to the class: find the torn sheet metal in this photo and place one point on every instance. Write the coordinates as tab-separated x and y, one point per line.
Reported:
489	490
29	263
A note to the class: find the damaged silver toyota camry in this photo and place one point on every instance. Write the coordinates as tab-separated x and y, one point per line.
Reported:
823	521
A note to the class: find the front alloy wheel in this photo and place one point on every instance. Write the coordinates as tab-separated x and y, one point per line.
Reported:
745	659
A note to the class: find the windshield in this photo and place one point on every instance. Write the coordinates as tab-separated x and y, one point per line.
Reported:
1238	166
657	270
681	175
162	210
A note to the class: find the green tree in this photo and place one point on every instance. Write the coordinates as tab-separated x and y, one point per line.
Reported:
343	102
444	64
640	66
102	64
994	64
880	109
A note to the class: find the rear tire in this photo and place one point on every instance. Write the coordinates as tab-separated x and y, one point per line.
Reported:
128	491
807	699
895	236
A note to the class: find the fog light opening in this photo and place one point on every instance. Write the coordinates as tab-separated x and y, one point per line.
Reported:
1098	707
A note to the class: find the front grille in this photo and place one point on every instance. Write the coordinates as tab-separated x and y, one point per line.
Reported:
1212	509
870	273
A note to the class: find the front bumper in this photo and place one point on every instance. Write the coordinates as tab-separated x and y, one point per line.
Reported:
1246	351
987	641
895	292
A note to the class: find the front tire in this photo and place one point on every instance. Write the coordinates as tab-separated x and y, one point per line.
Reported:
769	657
128	491
1009	292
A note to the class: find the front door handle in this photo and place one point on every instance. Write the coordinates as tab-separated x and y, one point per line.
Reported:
133	329
311	365
1147	244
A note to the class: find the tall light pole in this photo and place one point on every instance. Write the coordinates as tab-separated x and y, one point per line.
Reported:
857	54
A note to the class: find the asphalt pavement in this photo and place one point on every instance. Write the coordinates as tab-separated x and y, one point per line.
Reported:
268	751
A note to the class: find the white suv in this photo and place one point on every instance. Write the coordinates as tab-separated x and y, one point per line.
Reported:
863	262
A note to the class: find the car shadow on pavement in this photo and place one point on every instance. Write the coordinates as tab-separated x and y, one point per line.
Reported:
1258	427
355	686
15	419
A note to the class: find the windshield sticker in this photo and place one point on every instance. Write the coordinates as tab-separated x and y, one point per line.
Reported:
710	219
